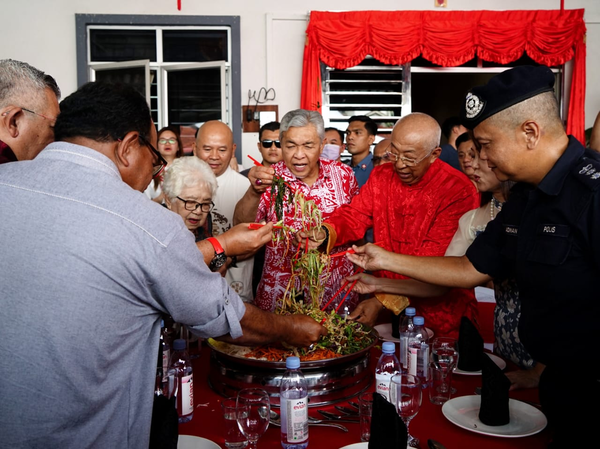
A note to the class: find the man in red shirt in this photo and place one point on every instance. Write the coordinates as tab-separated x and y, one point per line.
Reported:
413	206
28	110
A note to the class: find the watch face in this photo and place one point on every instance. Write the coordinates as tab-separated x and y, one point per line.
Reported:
218	261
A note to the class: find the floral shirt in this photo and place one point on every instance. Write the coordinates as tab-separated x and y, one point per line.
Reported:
335	185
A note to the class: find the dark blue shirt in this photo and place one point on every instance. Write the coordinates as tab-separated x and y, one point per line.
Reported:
450	156
548	238
362	170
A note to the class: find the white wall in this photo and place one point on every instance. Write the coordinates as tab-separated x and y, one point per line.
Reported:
42	33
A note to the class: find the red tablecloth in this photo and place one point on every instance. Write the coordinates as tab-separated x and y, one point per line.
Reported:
429	423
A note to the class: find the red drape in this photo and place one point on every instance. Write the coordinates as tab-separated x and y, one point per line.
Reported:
447	38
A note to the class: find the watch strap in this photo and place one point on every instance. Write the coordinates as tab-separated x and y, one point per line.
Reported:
216	245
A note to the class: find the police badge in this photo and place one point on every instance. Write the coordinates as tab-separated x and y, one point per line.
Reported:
473	105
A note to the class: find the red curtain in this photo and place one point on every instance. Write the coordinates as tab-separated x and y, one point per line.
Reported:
447	38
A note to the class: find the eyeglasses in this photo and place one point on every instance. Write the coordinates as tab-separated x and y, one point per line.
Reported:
193	205
37	113
269	143
161	164
388	155
172	140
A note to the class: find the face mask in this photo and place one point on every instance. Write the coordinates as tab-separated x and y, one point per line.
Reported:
331	152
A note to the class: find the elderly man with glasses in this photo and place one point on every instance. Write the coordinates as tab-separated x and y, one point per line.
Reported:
84	293
413	206
28	110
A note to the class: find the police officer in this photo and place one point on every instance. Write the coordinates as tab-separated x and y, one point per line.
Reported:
547	236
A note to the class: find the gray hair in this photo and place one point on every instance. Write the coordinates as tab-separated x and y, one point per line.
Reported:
299	118
542	108
188	171
20	82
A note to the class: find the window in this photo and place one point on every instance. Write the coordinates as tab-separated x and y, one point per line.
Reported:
186	67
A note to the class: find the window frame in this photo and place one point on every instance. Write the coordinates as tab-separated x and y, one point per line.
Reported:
232	23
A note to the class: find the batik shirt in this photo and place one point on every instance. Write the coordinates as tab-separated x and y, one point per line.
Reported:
336	185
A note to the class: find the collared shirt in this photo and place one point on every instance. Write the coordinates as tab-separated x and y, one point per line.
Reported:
450	156
418	219
6	154
335	185
362	170
88	267
548	238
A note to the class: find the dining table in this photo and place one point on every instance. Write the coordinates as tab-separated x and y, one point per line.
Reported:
430	422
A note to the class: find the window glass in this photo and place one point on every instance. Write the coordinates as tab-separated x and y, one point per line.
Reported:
194	45
134	76
122	45
191	102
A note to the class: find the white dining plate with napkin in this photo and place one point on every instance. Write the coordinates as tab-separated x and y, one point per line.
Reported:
525	419
497	360
192	442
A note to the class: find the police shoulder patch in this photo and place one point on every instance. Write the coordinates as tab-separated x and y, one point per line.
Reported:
588	172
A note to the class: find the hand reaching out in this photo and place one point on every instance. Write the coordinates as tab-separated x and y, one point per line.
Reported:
370	257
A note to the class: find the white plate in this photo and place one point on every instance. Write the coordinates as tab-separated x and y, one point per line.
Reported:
385	332
362	446
525	419
497	360
192	442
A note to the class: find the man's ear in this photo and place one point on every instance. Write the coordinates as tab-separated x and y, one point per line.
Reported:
9	120
436	152
532	133
371	139
126	149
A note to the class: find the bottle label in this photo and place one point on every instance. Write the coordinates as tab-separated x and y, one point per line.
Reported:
418	361
403	351
382	384
165	361
187	395
296	411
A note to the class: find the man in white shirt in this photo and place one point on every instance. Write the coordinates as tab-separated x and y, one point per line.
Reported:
214	145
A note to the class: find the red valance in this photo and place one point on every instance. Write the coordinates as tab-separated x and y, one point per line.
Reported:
447	38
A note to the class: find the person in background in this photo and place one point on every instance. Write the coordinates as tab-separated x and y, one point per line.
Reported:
360	135
546	237
28	110
379	151
327	183
170	148
334	144
466	155
214	145
413	206
108	265
268	145
451	128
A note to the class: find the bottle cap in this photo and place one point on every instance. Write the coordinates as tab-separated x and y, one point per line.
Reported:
292	362
410	311
419	321
179	344
388	347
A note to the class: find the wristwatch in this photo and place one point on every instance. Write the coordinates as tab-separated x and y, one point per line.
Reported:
220	258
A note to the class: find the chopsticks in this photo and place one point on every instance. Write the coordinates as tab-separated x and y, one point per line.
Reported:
255	226
351	251
258	164
360	270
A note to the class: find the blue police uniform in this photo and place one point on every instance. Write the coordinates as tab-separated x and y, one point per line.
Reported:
548	238
362	170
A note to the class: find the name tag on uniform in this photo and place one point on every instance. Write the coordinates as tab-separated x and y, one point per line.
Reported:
511	229
557	230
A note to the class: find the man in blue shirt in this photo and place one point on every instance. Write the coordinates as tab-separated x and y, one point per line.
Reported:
360	135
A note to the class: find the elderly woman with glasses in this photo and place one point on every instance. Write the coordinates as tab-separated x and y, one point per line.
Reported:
169	148
189	186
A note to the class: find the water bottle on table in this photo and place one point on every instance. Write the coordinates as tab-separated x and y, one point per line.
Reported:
406	328
387	366
418	352
181	368
293	400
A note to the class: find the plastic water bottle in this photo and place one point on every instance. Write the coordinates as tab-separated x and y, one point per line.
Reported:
387	366
406	328
293	400
181	368
418	352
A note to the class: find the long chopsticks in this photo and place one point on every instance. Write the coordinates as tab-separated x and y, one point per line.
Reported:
351	251
360	270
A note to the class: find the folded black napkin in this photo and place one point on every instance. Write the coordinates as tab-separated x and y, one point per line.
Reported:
387	428
494	394
164	431
470	346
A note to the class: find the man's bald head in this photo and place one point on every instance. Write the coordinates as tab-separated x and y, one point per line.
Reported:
214	145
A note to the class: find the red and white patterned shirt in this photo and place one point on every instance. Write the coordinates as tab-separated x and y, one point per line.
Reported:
335	185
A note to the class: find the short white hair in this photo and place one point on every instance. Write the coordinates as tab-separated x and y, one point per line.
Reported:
188	171
20	82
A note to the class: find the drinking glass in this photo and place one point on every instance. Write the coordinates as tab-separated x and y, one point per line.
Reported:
406	395
253	413
444	356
